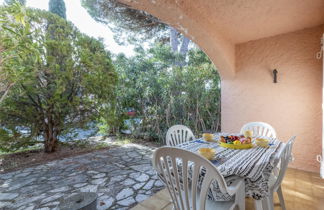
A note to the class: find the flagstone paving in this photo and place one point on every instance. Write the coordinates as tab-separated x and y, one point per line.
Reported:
121	176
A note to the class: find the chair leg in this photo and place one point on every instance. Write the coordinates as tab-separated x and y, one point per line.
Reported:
240	198
263	204
281	198
269	202
241	204
258	204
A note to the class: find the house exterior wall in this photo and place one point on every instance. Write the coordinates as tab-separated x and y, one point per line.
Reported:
293	105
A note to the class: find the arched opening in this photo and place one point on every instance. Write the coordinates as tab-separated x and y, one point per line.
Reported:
168	81
215	44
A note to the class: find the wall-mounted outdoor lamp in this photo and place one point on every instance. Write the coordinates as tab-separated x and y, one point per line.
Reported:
275	72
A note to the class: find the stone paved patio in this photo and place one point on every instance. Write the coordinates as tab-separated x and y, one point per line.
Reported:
121	176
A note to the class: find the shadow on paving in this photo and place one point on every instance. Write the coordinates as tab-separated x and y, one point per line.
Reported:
121	176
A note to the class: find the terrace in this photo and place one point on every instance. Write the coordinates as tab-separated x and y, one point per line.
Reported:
246	40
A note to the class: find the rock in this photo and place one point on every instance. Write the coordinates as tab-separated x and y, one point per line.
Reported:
8	196
98	181
117	178
104	202
53	178
28	170
135	175
55	203
81	178
7	175
25	200
6	183
19	184
149	185
26	208
142	178
141	197
142	167
74	174
61	189
99	175
52	198
127	202
151	172
149	192
138	186
39	188
128	182
124	193
4	204
133	154
22	174
158	183
89	188
79	185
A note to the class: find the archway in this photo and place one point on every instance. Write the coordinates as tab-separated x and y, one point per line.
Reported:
220	50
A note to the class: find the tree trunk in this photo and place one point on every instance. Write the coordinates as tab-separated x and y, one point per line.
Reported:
184	45
174	39
50	137
50	145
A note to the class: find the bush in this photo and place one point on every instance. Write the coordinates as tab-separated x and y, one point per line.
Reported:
164	94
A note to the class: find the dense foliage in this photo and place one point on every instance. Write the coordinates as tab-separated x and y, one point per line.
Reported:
62	80
164	94
57	7
71	85
15	47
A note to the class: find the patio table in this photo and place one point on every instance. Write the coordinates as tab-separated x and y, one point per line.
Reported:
254	165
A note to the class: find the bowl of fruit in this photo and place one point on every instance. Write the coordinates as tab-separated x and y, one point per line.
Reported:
235	142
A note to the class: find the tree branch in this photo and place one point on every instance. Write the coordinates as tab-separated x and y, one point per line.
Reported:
6	91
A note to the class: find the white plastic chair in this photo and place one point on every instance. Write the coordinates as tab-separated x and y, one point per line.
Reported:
182	171
260	129
178	134
275	180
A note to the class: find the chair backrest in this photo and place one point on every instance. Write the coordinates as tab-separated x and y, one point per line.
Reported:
182	173
284	160
178	134
260	129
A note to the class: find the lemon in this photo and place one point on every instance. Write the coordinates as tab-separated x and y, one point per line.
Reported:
237	142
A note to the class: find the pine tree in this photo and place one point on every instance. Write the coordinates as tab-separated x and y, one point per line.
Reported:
57	7
71	85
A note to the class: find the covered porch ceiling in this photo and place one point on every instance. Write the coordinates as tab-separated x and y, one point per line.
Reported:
218	25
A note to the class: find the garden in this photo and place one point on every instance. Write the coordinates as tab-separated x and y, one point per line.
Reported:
64	92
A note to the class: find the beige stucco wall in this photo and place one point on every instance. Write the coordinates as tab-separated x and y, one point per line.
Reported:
293	105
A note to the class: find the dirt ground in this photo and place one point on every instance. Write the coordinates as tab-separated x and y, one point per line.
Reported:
11	162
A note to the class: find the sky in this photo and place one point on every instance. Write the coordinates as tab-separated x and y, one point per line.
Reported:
84	22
